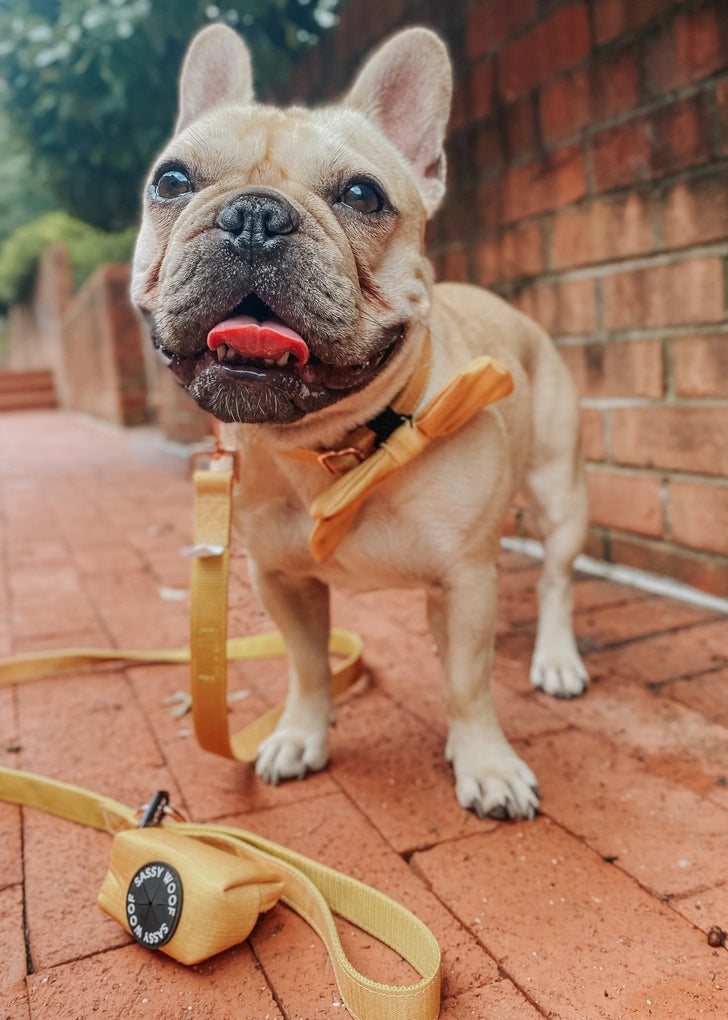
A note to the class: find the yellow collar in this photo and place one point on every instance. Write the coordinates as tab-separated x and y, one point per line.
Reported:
364	440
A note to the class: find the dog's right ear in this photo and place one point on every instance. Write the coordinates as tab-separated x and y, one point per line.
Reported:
216	70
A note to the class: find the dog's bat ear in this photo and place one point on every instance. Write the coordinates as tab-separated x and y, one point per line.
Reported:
405	88
216	70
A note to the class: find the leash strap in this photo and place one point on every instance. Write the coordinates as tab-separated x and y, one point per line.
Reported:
208	626
313	890
210	649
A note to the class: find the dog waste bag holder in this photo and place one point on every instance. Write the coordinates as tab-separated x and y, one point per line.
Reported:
154	904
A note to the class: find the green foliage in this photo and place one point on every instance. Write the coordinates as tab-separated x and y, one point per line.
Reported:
88	247
22	198
91	85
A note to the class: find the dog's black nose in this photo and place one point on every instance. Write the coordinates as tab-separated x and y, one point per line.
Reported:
255	218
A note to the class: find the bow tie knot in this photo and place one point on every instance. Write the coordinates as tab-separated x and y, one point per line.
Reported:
483	382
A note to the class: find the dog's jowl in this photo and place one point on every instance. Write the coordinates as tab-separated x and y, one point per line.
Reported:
383	423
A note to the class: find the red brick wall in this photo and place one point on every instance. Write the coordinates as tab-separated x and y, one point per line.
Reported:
588	185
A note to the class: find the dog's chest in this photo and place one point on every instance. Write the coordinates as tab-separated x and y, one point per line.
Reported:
409	532
383	547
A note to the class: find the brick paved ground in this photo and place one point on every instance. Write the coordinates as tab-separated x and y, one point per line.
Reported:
599	908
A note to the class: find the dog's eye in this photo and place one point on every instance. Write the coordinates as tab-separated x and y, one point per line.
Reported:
362	197
172	183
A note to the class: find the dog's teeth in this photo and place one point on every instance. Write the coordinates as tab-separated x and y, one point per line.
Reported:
231	354
222	351
268	362
283	360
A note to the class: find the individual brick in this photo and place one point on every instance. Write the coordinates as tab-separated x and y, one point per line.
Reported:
700	365
563	309
564	106
604	230
699	515
676	293
514	254
589	787
693	439
626	502
695	211
627	369
555	180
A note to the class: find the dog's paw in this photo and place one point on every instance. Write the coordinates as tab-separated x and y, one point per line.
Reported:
497	784
560	673
290	753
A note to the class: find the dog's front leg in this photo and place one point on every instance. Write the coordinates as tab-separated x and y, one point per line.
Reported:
299	607
490	778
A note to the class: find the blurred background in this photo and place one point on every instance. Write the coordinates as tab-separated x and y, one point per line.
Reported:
587	154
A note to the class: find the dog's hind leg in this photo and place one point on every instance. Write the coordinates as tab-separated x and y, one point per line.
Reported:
559	511
300	610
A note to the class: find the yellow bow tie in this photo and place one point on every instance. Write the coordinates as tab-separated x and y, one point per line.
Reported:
483	382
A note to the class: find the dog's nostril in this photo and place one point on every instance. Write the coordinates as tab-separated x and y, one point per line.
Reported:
256	217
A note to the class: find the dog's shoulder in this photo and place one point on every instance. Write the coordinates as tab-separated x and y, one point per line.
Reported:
486	324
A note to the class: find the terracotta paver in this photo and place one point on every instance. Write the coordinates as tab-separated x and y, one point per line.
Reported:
600	908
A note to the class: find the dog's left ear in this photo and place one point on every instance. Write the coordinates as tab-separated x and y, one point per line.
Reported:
216	70
405	88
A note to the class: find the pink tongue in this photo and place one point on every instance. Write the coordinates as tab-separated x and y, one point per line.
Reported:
253	339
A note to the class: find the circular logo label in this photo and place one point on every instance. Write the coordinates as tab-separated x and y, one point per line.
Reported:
154	904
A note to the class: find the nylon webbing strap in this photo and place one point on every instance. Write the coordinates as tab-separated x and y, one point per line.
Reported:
210	649
311	889
208	609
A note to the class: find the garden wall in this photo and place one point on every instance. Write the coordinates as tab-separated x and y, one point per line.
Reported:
97	347
588	185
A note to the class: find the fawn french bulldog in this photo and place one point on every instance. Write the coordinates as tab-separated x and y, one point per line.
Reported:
280	265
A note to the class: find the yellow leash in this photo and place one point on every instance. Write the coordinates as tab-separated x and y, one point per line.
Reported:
311	889
208	627
224	912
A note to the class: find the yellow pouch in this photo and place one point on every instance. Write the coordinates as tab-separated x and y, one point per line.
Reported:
188	897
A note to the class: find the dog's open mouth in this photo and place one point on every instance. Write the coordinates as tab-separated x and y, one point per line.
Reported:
243	338
256	368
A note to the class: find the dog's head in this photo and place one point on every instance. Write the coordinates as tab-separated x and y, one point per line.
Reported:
280	259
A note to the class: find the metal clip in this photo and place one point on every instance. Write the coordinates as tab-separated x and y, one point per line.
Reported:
328	456
153	812
215	460
202	552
